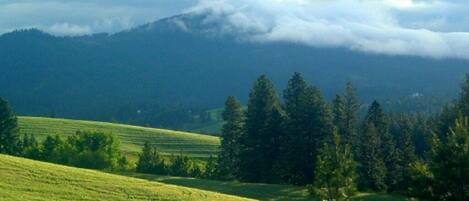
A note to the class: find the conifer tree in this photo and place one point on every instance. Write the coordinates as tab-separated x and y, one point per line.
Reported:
387	144
232	131
345	110
258	141
406	153
372	169
450	164
150	161
336	178
309	123
9	135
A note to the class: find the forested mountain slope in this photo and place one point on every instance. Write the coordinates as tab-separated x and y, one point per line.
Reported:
146	74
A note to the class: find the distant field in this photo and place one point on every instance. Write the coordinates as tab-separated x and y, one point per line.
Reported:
132	137
23	179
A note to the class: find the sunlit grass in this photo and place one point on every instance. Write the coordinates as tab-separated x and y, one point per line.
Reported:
23	179
132	137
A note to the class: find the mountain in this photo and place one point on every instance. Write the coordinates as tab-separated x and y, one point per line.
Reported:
185	64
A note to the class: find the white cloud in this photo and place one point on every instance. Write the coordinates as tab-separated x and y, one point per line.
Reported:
65	17
68	29
396	27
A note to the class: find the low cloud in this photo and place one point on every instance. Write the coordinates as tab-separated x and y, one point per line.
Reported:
437	29
78	17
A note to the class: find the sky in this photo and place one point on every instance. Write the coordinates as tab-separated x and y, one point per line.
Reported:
429	28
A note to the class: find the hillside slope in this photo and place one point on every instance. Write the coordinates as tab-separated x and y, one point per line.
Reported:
23	179
132	137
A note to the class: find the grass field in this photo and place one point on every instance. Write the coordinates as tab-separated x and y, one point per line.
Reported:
23	179
269	192
132	137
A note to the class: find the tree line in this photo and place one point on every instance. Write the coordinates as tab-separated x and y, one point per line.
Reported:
301	139
86	149
90	149
305	140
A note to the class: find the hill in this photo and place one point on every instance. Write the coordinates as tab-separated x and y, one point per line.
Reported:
24	179
132	137
143	75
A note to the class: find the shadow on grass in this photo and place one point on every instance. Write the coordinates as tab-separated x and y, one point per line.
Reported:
378	197
268	192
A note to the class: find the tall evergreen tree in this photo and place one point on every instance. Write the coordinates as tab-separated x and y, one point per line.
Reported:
372	168
232	131
346	117
9	135
387	145
258	143
406	153
335	172
450	164
309	123
452	111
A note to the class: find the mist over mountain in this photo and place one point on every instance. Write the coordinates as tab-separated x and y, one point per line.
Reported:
188	61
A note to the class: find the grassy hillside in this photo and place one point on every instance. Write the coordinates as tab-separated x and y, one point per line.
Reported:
23	179
132	137
270	192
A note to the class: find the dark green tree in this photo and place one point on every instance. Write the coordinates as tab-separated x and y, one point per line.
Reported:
406	153
389	154
211	169
96	150
336	177
51	148
180	166
30	147
258	143
9	134
450	164
309	123
372	168
232	131
345	110
150	161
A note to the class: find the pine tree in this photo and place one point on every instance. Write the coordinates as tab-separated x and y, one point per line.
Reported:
336	178
257	143
387	145
450	164
150	161
345	110
407	156
309	123
9	135
232	131
372	169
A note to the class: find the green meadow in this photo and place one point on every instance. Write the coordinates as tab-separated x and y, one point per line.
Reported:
24	179
132	137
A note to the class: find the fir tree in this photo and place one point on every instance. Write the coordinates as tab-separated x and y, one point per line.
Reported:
450	164
257	143
345	110
150	161
407	156
9	135
232	130
309	123
335	172
372	169
389	154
